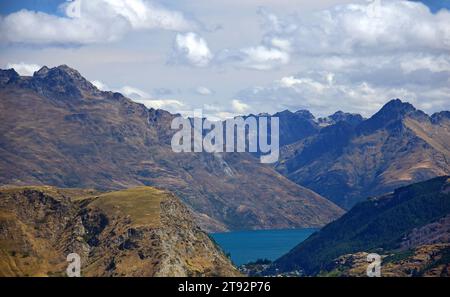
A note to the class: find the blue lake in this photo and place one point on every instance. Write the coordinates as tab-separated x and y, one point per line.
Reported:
246	246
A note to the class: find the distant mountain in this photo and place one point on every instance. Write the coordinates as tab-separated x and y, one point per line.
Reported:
298	125
352	159
295	126
136	232
340	116
410	228
58	129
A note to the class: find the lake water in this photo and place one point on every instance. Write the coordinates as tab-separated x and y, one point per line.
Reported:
246	246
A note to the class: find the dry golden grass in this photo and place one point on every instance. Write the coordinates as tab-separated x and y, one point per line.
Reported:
141	205
22	253
433	135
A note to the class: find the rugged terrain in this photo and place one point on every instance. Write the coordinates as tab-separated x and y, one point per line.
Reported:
58	129
349	158
409	228
135	232
431	260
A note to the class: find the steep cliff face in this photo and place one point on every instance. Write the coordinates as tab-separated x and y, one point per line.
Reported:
136	232
58	129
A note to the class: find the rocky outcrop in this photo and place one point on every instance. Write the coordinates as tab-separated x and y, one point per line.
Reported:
136	232
424	260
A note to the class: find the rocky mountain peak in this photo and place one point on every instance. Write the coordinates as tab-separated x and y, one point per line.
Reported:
340	116
286	112
396	106
63	74
62	81
6	76
440	116
391	113
346	116
295	125
62	70
300	114
41	72
305	114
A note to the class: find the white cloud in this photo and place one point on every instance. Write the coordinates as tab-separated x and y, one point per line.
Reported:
99	85
356	57
220	116
172	105
24	69
140	96
426	62
204	91
349	32
352	57
323	94
264	58
289	81
282	44
127	91
239	107
273	51
143	14
260	57
211	107
93	21
133	93
192	49
370	27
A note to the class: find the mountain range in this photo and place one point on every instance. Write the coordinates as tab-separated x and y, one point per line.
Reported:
60	130
351	158
93	171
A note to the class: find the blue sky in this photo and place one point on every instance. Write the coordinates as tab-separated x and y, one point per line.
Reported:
51	6
231	57
436	5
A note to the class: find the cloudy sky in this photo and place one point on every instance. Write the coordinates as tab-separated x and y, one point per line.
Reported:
236	57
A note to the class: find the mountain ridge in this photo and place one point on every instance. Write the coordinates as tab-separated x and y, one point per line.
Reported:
103	140
396	146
